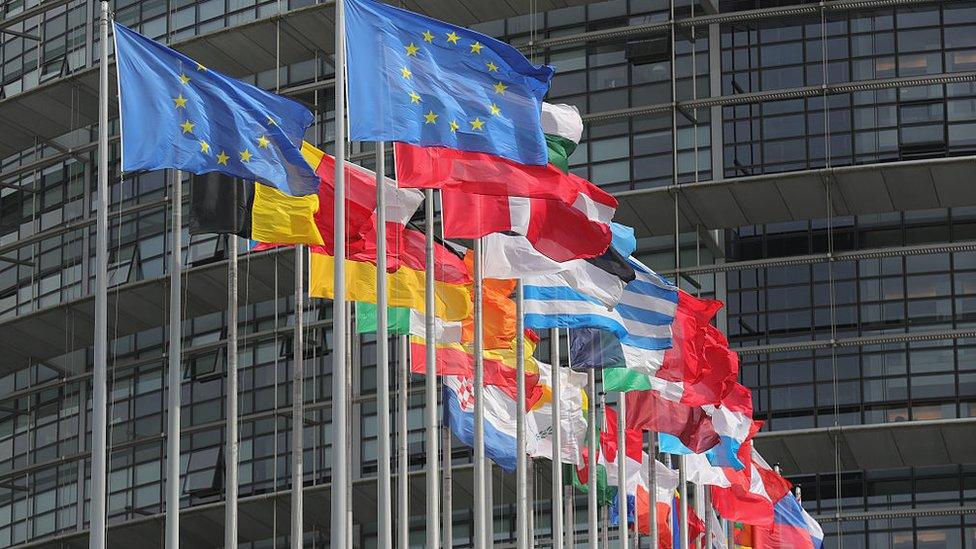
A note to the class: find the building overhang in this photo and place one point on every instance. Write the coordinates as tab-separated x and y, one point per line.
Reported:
871	447
58	336
799	196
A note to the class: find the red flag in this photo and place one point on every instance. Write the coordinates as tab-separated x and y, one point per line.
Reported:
555	229
481	173
746	500
649	410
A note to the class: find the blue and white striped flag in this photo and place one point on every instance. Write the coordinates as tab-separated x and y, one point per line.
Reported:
641	321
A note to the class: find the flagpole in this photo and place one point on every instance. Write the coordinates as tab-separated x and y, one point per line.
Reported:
521	478
430	380
652	490
557	444
384	519
298	404
448	537
530	497
480	513
683	495
403	513
230	455
174	374
706	514
339	424
591	495
622	469
99	449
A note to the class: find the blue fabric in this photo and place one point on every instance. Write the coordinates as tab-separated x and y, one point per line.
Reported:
176	113
544	322
499	447
613	510
624	239
557	293
595	348
454	74
724	454
670	444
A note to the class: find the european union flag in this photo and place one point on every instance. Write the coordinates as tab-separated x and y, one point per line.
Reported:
422	81
176	113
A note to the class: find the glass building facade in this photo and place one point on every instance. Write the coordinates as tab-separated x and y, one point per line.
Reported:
732	90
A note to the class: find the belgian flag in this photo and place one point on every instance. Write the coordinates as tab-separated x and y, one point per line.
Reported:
225	205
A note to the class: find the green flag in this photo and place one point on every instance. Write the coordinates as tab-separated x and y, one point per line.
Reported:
622	380
398	319
563	127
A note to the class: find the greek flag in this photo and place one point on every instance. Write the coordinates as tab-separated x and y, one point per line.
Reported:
641	321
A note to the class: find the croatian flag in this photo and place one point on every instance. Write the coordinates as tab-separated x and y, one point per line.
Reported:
793	528
500	414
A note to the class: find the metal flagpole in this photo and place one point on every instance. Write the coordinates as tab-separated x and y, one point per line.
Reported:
707	516
521	478
339	425
622	469
298	405
430	381
480	512
99	455
384	519
605	523
403	513
530	496
174	374
557	443
591	500
683	495
230	455
652	490
448	537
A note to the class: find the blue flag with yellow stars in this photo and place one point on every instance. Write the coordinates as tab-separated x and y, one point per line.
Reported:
176	113
422	81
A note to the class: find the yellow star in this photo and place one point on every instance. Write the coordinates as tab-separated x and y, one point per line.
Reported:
412	50
184	79
430	118
428	37
476	47
263	142
201	67
500	88
492	67
180	101
494	109
204	147
477	124
272	121
452	37
454	126
414	98
405	72
222	158
245	155
187	126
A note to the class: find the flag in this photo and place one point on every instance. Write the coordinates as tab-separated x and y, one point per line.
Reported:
418	80
742	536
652	410
513	256
406	281
667	483
792	528
498	310
563	128
703	374
581	477
556	229
360	200
176	113
753	491
224	205
719	538
499	419
457	359
398	319
572	421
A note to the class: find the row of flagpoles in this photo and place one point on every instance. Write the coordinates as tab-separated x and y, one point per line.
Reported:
651	317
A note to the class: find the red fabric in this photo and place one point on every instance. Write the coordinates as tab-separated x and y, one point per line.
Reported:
481	173
649	411
738	503
360	201
554	228
781	536
643	502
685	360
453	360
608	438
